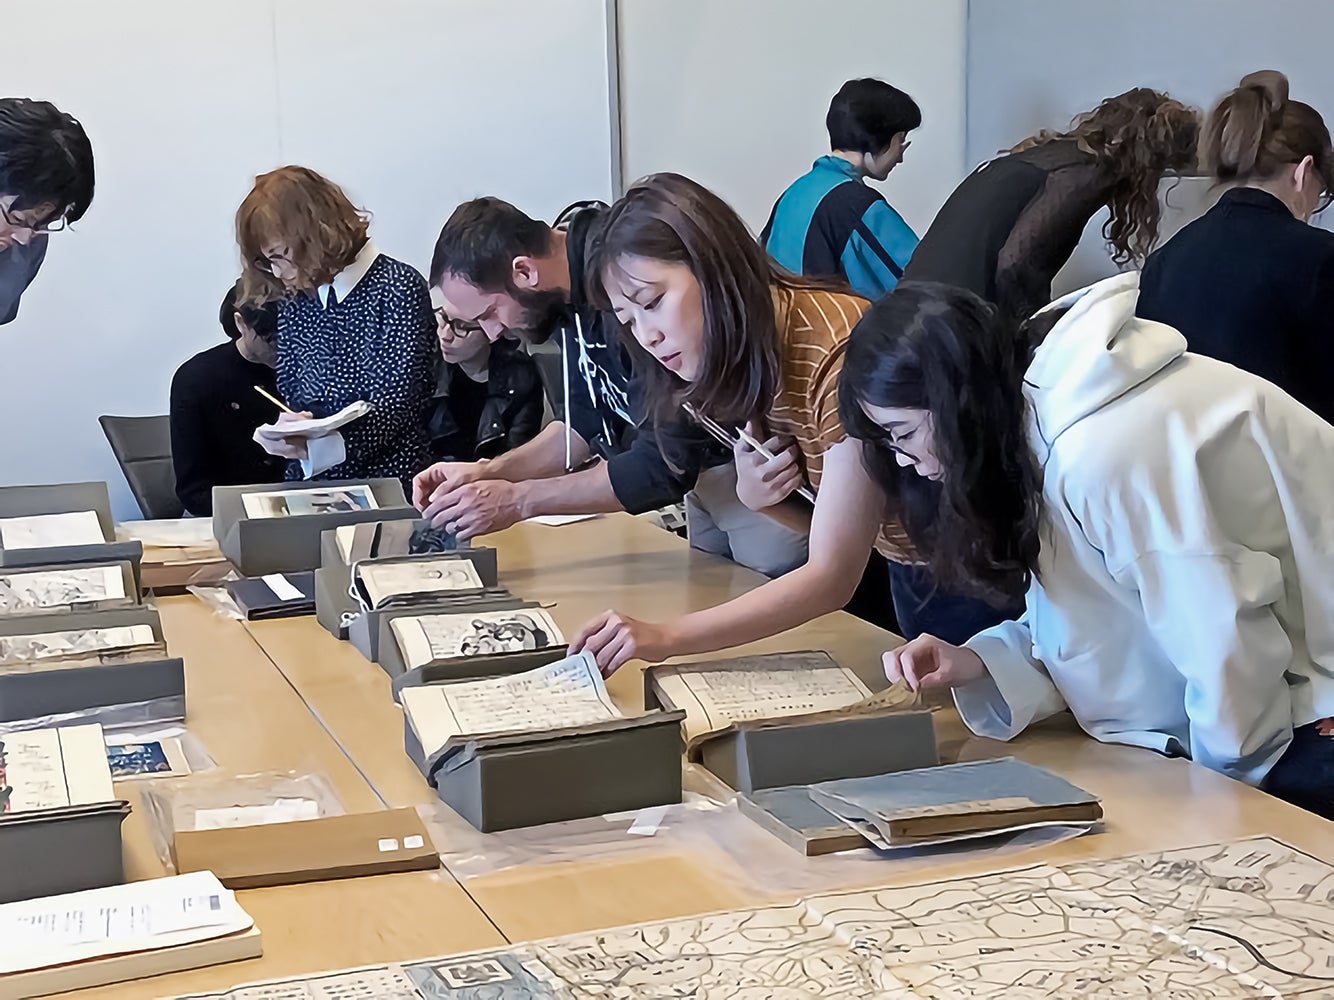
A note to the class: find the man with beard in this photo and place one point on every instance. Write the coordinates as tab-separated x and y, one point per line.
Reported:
518	277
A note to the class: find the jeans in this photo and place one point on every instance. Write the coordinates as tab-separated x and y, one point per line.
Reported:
924	609
1304	775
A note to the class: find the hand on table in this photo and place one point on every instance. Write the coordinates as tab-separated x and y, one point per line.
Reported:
475	508
763	482
928	662
291	448
441	478
615	639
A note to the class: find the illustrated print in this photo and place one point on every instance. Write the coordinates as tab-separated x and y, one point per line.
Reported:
503	635
137	758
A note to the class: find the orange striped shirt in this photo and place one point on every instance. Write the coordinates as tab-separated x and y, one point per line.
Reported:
813	329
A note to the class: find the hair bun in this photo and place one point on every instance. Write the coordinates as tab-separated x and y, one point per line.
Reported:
1271	83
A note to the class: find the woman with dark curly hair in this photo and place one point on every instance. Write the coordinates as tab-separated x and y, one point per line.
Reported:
1014	222
1169	515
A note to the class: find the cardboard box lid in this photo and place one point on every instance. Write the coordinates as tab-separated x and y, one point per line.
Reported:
246	857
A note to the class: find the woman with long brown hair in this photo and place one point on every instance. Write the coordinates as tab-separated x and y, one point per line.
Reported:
353	324
1250	283
721	329
1014	222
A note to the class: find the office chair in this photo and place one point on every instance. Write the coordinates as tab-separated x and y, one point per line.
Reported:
142	446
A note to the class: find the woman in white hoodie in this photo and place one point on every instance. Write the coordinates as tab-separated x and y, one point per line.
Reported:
1172	516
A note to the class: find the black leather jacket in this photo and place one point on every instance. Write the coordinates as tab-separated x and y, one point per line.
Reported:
471	421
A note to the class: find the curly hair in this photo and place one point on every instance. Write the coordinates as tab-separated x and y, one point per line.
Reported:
1138	136
941	349
323	230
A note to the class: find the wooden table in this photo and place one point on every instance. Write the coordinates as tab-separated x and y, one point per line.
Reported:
250	719
626	563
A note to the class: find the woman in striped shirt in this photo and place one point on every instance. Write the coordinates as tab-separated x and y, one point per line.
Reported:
721	328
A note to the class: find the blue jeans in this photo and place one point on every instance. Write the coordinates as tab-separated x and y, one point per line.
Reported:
1304	775
924	609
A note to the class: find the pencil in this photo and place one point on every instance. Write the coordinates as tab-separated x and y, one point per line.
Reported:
274	399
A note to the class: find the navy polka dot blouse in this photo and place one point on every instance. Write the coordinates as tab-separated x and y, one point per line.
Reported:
378	345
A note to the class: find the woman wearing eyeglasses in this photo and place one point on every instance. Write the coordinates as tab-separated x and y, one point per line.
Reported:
46	182
488	397
353	324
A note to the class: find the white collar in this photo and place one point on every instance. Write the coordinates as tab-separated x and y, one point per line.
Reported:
346	279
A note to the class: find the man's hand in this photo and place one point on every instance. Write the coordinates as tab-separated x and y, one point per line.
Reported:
765	482
476	508
614	639
441	478
928	662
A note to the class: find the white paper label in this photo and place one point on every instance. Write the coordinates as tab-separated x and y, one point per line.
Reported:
282	587
388	844
647	822
413	843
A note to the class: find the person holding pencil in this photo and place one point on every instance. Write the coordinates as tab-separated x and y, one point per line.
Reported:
215	408
717	326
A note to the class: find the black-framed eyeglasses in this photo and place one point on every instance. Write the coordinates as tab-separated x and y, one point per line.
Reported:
56	225
458	327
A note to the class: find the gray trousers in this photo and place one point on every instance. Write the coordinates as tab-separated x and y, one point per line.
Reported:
718	522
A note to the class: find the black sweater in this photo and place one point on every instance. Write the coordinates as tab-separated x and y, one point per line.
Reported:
1250	284
214	412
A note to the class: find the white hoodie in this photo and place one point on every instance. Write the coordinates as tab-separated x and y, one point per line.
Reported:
1185	599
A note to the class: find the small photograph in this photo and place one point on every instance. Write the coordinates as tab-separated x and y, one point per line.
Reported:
296	503
155	759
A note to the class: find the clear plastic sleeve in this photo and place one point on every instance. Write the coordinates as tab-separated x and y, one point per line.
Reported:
158	712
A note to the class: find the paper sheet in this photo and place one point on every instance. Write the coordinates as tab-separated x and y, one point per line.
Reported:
421	576
42	531
28	591
569	692
295	503
181	533
48	645
714	696
279	811
428	638
53	768
315	427
556	520
137	916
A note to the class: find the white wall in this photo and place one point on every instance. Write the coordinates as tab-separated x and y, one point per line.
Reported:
411	105
734	93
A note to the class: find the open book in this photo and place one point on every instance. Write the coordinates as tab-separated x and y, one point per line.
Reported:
50	589
89	644
566	693
383	582
42	769
427	639
722	693
47	531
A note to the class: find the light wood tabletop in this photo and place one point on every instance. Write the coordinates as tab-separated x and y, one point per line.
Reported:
626	563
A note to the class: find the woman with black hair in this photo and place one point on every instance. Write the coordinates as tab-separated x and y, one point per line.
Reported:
46	182
1172	518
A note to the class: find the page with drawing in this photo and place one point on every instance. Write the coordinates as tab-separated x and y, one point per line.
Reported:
50	645
569	692
715	695
420	576
48	531
30	591
428	638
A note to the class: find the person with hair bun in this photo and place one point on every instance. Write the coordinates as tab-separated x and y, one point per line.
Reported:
1250	283
353	324
1014	222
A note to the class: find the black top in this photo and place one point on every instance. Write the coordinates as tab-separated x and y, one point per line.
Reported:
18	266
605	403
474	420
214	412
1250	284
1012	224
379	345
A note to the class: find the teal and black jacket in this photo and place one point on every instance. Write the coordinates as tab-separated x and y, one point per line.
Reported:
831	224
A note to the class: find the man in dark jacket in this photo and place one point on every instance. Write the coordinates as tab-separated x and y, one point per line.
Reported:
517	277
488	397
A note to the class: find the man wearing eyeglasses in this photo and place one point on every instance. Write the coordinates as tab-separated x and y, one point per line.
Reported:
46	182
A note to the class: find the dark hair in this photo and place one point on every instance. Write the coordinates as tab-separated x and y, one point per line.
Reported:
1138	136
865	115
1256	130
45	158
480	241
263	318
668	217
311	214
944	350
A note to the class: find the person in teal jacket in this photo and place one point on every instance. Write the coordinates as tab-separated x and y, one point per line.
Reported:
830	222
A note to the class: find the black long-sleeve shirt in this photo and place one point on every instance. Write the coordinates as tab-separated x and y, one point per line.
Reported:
214	412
